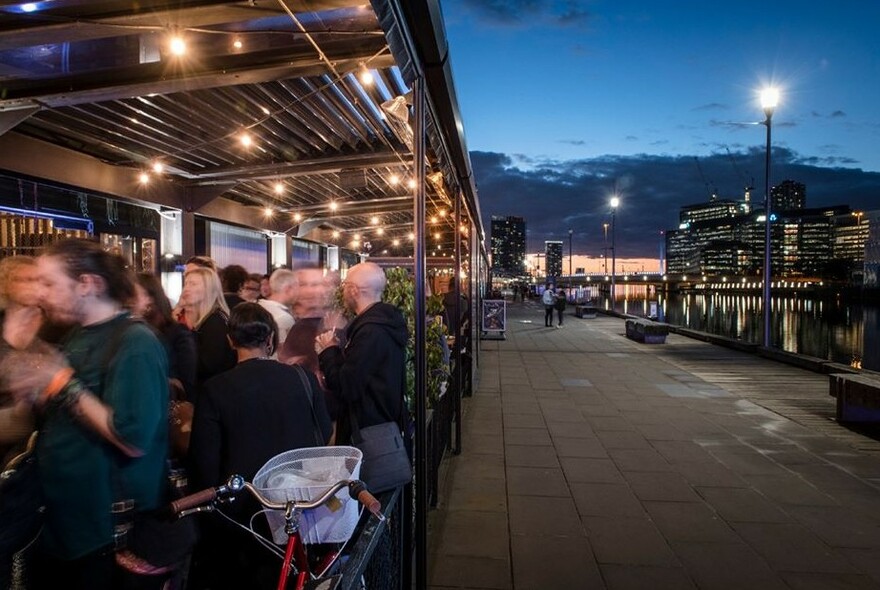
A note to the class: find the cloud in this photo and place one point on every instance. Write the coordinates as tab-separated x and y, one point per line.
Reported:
554	195
732	125
712	106
631	138
560	13
573	141
837	114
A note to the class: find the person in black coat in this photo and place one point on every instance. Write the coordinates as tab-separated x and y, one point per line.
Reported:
247	415
368	376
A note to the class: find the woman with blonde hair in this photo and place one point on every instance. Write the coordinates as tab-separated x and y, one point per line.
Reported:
205	312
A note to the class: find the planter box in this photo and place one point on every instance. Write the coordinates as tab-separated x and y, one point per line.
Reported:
646	331
585	311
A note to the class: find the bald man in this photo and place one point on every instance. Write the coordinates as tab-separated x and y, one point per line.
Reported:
368	376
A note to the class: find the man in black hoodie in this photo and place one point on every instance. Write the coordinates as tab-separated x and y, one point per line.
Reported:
368	376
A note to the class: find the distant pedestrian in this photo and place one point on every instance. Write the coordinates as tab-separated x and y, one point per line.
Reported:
549	301
561	299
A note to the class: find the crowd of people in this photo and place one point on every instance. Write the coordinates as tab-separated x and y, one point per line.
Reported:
90	357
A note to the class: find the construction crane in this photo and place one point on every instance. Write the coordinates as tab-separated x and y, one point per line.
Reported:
710	189
749	186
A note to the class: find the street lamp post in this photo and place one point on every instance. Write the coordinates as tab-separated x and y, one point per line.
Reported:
615	201
605	266
769	99
570	274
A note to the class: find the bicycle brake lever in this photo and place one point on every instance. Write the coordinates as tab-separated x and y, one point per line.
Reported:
185	513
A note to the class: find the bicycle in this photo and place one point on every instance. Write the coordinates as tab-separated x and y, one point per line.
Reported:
295	556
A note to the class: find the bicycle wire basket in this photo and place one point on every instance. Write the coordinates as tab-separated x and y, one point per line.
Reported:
305	474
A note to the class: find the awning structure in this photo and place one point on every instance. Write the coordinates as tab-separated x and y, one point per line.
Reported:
297	116
288	115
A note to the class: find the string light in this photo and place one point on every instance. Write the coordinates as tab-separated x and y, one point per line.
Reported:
411	183
365	76
334	205
380	232
177	46
411	236
433	219
268	212
246	140
442	212
297	217
335	233
158	167
395	243
279	188
394	179
357	237
374	220
437	236
144	178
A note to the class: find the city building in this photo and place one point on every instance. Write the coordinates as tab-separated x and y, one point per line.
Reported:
788	195
553	256
508	241
727	237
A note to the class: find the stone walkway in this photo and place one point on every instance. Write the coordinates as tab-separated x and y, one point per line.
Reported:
591	461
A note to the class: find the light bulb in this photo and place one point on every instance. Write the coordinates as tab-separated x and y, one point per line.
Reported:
268	212
334	205
158	167
297	217
144	178
335	234
237	44
380	231
177	46
279	188
246	140
394	179
365	75
411	183
395	243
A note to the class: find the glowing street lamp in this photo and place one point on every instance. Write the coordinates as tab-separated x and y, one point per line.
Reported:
615	202
769	100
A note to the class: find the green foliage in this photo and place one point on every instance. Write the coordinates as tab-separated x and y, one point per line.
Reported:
400	292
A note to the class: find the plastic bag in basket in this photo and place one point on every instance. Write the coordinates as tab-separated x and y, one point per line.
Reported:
305	474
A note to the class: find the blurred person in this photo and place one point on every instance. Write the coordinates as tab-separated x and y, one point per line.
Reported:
549	301
313	312
246	416
21	506
250	291
21	320
265	287
561	300
152	306
279	303
368	376
233	279
199	262
206	313
103	436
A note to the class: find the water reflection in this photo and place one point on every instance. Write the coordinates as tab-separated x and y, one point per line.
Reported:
837	330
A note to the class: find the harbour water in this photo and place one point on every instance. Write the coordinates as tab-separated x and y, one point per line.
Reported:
833	329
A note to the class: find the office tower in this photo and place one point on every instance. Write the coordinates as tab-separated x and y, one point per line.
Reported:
508	244
553	256
787	196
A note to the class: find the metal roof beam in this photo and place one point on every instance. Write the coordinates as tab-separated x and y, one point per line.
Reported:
300	168
155	78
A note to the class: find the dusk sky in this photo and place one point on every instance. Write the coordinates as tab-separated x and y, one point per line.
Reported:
566	102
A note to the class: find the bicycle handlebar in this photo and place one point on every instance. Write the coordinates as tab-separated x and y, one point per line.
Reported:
356	489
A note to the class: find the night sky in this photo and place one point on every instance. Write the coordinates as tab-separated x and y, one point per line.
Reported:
567	102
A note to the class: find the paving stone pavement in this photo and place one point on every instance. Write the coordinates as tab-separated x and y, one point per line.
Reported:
590	461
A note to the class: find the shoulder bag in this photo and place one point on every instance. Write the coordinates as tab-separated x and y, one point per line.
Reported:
386	464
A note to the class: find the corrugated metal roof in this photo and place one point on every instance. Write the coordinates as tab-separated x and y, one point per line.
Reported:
99	78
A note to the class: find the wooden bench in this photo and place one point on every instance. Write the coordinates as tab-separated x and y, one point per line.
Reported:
858	397
585	311
646	331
